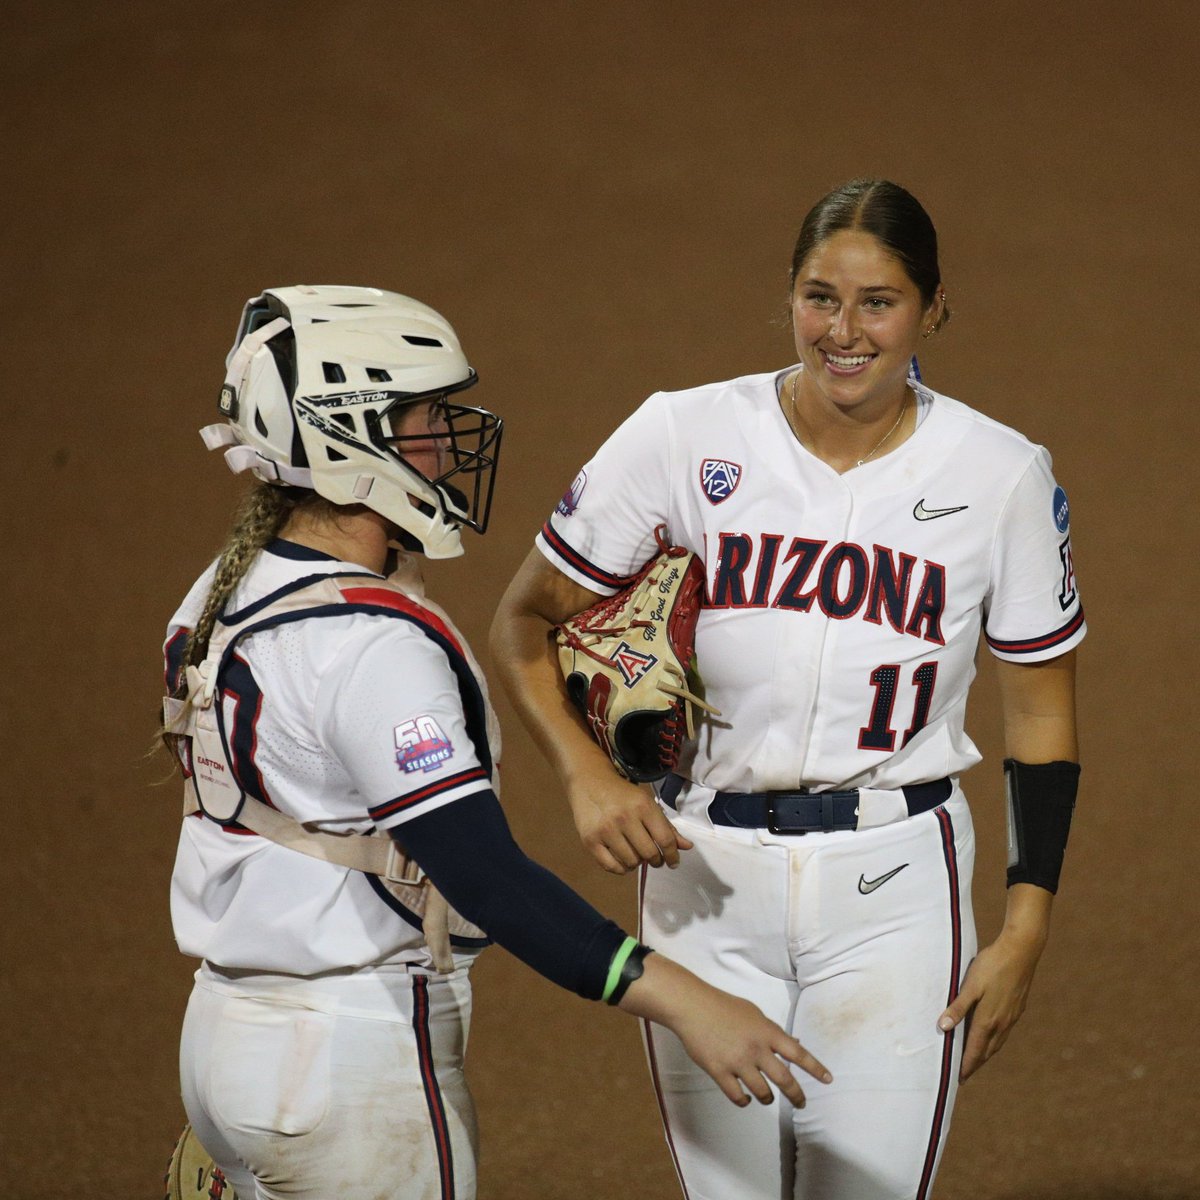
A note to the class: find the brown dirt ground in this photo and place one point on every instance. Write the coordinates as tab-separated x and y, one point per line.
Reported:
603	199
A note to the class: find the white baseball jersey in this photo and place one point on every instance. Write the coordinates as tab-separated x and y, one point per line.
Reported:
351	722
843	612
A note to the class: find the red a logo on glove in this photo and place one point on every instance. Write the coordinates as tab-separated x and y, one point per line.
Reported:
632	663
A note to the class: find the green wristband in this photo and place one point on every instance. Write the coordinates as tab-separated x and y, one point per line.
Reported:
626	966
628	946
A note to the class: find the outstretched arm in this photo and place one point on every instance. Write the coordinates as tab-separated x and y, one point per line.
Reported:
619	822
1038	702
466	848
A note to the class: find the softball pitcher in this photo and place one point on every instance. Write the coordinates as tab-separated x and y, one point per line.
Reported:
343	857
859	532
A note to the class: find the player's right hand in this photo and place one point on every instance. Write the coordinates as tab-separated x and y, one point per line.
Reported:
622	824
744	1052
728	1037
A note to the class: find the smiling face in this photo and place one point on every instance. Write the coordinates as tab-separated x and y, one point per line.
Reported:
857	318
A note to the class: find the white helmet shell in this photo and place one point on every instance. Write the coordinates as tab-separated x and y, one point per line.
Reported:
311	378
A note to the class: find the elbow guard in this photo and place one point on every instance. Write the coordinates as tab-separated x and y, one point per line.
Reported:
1041	799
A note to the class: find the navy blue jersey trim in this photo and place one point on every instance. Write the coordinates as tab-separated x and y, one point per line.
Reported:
296	585
282	548
1034	645
572	556
238	683
389	808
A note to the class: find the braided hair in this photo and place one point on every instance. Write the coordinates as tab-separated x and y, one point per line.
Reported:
260	516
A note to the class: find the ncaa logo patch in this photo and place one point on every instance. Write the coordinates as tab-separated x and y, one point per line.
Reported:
719	478
632	664
422	746
570	501
1062	512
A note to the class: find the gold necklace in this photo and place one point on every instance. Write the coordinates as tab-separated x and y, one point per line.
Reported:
875	449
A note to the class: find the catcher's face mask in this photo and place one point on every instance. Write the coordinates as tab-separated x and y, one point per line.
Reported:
316	391
453	447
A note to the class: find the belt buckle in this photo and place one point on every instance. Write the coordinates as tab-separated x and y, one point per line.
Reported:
773	823
827	822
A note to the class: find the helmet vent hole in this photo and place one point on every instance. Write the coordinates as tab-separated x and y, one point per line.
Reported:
343	419
378	375
353	306
413	340
260	424
334	373
334	455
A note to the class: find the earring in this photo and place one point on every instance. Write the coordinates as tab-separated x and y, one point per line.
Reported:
941	309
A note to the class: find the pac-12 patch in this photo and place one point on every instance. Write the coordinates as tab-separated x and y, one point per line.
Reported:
421	745
719	478
571	497
1062	511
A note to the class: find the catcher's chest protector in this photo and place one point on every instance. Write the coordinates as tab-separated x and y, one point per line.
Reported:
213	785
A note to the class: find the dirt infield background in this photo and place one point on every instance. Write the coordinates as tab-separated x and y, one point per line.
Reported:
602	198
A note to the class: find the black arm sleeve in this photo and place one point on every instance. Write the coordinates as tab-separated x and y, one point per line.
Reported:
468	851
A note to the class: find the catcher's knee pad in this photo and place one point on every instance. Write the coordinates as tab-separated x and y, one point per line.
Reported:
192	1174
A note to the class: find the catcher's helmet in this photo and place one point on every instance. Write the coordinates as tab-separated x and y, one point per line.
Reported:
312	383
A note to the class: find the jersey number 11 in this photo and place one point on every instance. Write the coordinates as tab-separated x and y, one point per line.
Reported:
878	733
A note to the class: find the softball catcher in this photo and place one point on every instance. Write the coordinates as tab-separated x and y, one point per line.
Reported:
858	532
343	857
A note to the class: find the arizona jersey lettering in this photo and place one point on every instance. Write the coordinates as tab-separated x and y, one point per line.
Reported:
891	571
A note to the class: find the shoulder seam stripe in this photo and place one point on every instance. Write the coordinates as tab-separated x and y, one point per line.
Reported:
1043	643
389	808
572	556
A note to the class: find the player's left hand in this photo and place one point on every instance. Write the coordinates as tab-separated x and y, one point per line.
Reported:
621	823
992	997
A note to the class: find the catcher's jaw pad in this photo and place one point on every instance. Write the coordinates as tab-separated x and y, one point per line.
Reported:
313	383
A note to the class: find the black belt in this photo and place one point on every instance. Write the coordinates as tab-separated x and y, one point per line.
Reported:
801	811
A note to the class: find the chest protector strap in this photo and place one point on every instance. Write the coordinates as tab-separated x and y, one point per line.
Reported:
214	789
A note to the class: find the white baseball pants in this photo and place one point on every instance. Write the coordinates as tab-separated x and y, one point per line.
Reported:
857	966
346	1087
